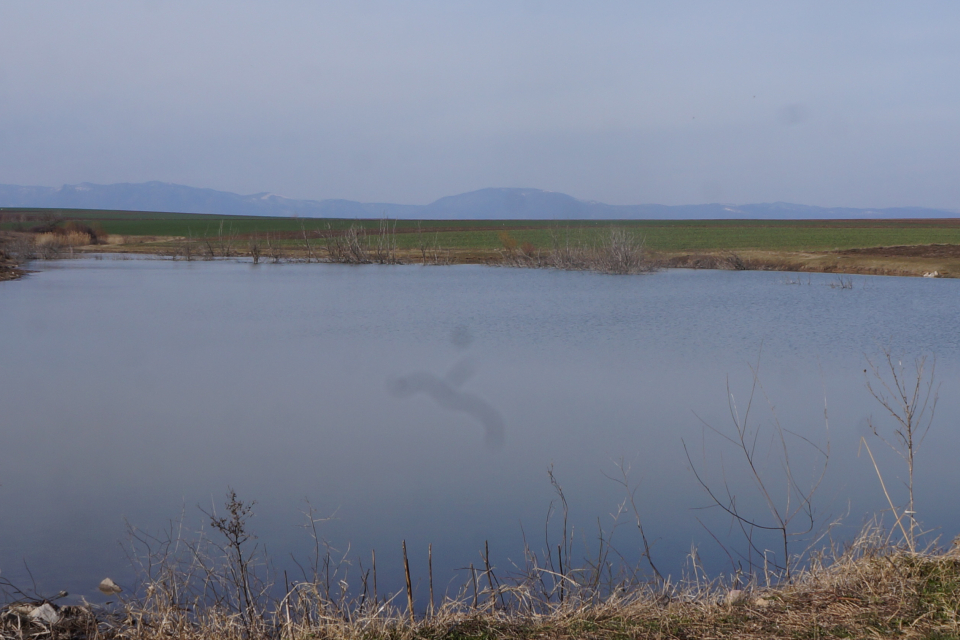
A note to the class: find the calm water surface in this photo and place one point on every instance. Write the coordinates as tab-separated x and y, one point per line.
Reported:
427	404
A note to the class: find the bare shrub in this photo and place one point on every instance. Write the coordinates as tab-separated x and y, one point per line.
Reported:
842	282
275	248
567	256
185	247
908	395
201	586
308	248
385	250
786	498
238	559
254	248
436	255
356	250
348	247
334	245
620	252
225	240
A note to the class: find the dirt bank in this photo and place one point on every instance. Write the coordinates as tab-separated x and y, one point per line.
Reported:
9	266
910	260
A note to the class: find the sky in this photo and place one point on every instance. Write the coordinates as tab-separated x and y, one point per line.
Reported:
822	103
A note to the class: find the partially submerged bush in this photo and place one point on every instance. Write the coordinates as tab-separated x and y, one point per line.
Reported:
620	252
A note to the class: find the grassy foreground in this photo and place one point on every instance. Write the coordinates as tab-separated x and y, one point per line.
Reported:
891	247
870	590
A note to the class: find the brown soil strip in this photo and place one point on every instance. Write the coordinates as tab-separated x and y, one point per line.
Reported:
10	273
914	260
8	266
951	251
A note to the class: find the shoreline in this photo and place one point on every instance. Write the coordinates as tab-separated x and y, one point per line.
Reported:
901	261
930	260
9	269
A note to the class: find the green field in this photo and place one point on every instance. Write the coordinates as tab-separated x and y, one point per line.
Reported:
485	235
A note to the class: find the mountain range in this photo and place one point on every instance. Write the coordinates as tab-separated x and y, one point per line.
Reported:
484	204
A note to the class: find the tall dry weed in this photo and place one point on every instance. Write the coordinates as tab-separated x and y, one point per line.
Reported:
67	239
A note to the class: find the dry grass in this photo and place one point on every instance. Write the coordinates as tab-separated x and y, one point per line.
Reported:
868	590
68	239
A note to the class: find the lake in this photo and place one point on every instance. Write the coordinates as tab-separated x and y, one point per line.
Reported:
427	404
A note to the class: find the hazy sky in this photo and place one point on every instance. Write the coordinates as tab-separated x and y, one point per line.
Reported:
825	103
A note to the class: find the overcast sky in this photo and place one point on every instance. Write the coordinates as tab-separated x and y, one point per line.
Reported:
823	103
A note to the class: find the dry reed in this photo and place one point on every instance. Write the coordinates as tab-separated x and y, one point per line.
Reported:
868	589
68	239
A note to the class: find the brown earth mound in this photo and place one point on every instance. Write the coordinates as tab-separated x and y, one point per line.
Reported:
8	268
907	251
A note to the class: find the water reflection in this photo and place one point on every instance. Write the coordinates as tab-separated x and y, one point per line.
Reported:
446	393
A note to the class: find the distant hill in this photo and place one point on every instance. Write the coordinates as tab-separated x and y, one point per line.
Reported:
485	204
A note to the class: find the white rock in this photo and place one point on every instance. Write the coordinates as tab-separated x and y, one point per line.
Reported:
45	613
109	587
